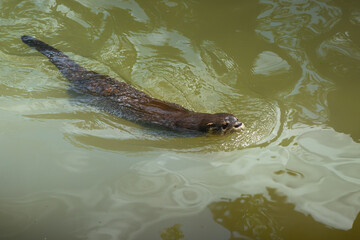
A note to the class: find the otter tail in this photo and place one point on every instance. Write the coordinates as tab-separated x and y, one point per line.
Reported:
70	69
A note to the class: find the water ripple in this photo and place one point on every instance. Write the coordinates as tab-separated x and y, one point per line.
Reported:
159	187
314	162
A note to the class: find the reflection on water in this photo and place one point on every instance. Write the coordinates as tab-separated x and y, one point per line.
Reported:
172	233
288	69
150	183
247	217
256	217
343	47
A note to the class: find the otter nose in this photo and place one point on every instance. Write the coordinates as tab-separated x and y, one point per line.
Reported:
239	125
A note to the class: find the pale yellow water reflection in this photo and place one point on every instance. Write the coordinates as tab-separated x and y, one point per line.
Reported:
288	69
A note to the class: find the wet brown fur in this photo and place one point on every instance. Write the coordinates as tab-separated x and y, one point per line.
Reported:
125	101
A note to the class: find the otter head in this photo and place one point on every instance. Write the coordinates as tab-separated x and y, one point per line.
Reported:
218	123
221	123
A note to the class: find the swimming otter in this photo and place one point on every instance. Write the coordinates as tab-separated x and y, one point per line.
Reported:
127	102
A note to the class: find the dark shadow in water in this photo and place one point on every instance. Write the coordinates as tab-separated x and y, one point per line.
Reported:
342	69
239	41
255	217
344	101
248	217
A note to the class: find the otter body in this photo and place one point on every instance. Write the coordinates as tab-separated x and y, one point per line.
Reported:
127	102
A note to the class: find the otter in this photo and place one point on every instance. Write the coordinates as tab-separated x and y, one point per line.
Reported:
121	99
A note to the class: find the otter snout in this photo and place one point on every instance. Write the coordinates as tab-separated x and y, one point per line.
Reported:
239	126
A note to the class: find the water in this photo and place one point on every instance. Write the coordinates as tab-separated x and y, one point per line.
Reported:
288	69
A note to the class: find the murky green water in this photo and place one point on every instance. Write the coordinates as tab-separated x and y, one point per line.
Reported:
288	69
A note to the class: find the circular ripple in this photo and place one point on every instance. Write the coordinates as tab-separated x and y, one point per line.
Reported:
191	196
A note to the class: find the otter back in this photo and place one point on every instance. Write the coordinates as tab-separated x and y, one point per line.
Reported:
123	100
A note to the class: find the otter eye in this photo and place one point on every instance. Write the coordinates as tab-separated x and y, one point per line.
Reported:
224	126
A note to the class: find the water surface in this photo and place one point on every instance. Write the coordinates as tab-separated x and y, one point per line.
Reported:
288	69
